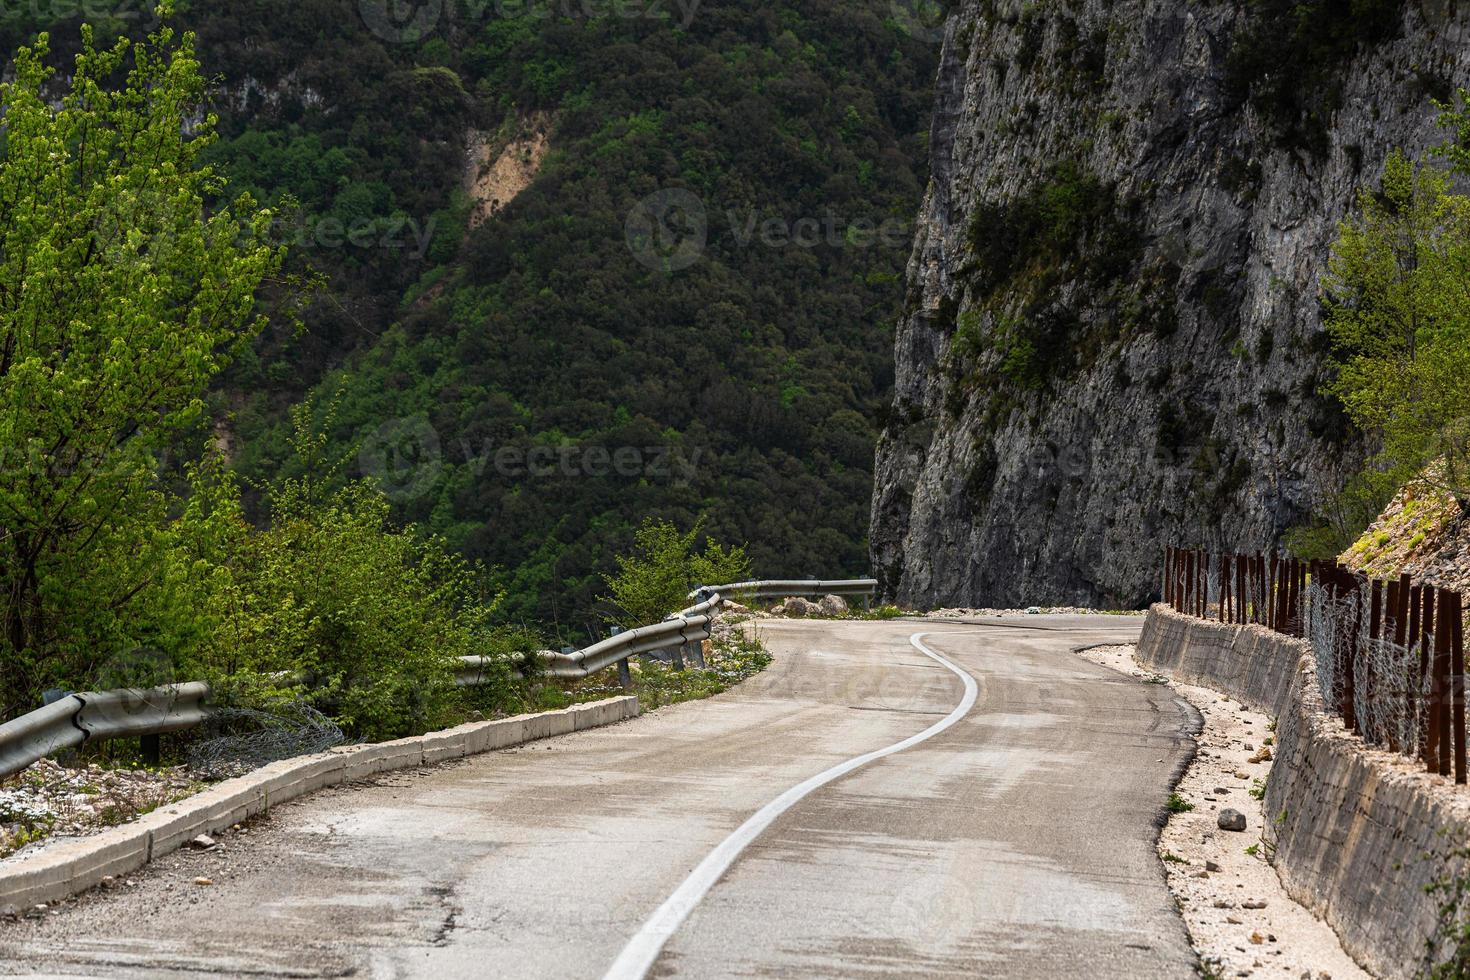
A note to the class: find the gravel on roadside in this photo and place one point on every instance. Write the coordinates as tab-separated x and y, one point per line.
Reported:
1029	611
1239	916
48	801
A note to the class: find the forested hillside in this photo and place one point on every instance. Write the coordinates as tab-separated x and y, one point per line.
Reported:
742	380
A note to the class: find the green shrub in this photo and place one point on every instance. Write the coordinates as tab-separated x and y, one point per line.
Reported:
333	603
1069	226
655	580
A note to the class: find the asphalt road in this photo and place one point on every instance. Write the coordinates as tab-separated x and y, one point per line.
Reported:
1015	842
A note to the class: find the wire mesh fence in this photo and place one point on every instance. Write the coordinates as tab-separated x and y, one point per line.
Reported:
1389	653
243	739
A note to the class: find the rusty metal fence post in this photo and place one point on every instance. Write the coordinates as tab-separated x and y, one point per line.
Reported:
1457	682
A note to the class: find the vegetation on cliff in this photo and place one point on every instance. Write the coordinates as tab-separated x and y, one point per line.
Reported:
1286	60
1395	296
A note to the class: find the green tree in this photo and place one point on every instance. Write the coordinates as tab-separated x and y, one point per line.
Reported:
334	603
655	580
125	287
1398	295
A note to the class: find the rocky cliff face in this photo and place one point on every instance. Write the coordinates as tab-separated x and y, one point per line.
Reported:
1113	339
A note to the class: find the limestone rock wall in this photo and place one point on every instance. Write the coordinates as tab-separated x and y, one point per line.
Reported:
1112	338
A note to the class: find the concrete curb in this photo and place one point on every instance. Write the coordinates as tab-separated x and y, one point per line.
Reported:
1357	834
77	865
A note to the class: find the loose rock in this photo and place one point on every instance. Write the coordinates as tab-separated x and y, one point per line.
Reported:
1231	819
833	605
798	608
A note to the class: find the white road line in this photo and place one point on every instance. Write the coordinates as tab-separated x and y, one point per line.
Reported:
638	957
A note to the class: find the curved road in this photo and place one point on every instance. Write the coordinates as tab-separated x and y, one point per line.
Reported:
1016	842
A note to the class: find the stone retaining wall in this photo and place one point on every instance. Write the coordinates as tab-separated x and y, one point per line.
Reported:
1357	834
70	867
1249	663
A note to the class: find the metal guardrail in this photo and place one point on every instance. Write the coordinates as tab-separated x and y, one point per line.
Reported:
792	588
690	627
93	716
80	718
679	630
684	629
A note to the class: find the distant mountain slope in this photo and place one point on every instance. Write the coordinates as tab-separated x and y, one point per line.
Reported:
1111	339
688	310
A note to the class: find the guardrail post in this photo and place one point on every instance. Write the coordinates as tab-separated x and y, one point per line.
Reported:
696	653
1414	638
1265	576
1433	606
1188	604
1224	591
1201	584
1353	585
678	657
152	749
1271	593
625	676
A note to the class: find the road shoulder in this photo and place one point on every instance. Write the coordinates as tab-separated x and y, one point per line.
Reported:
1239	916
